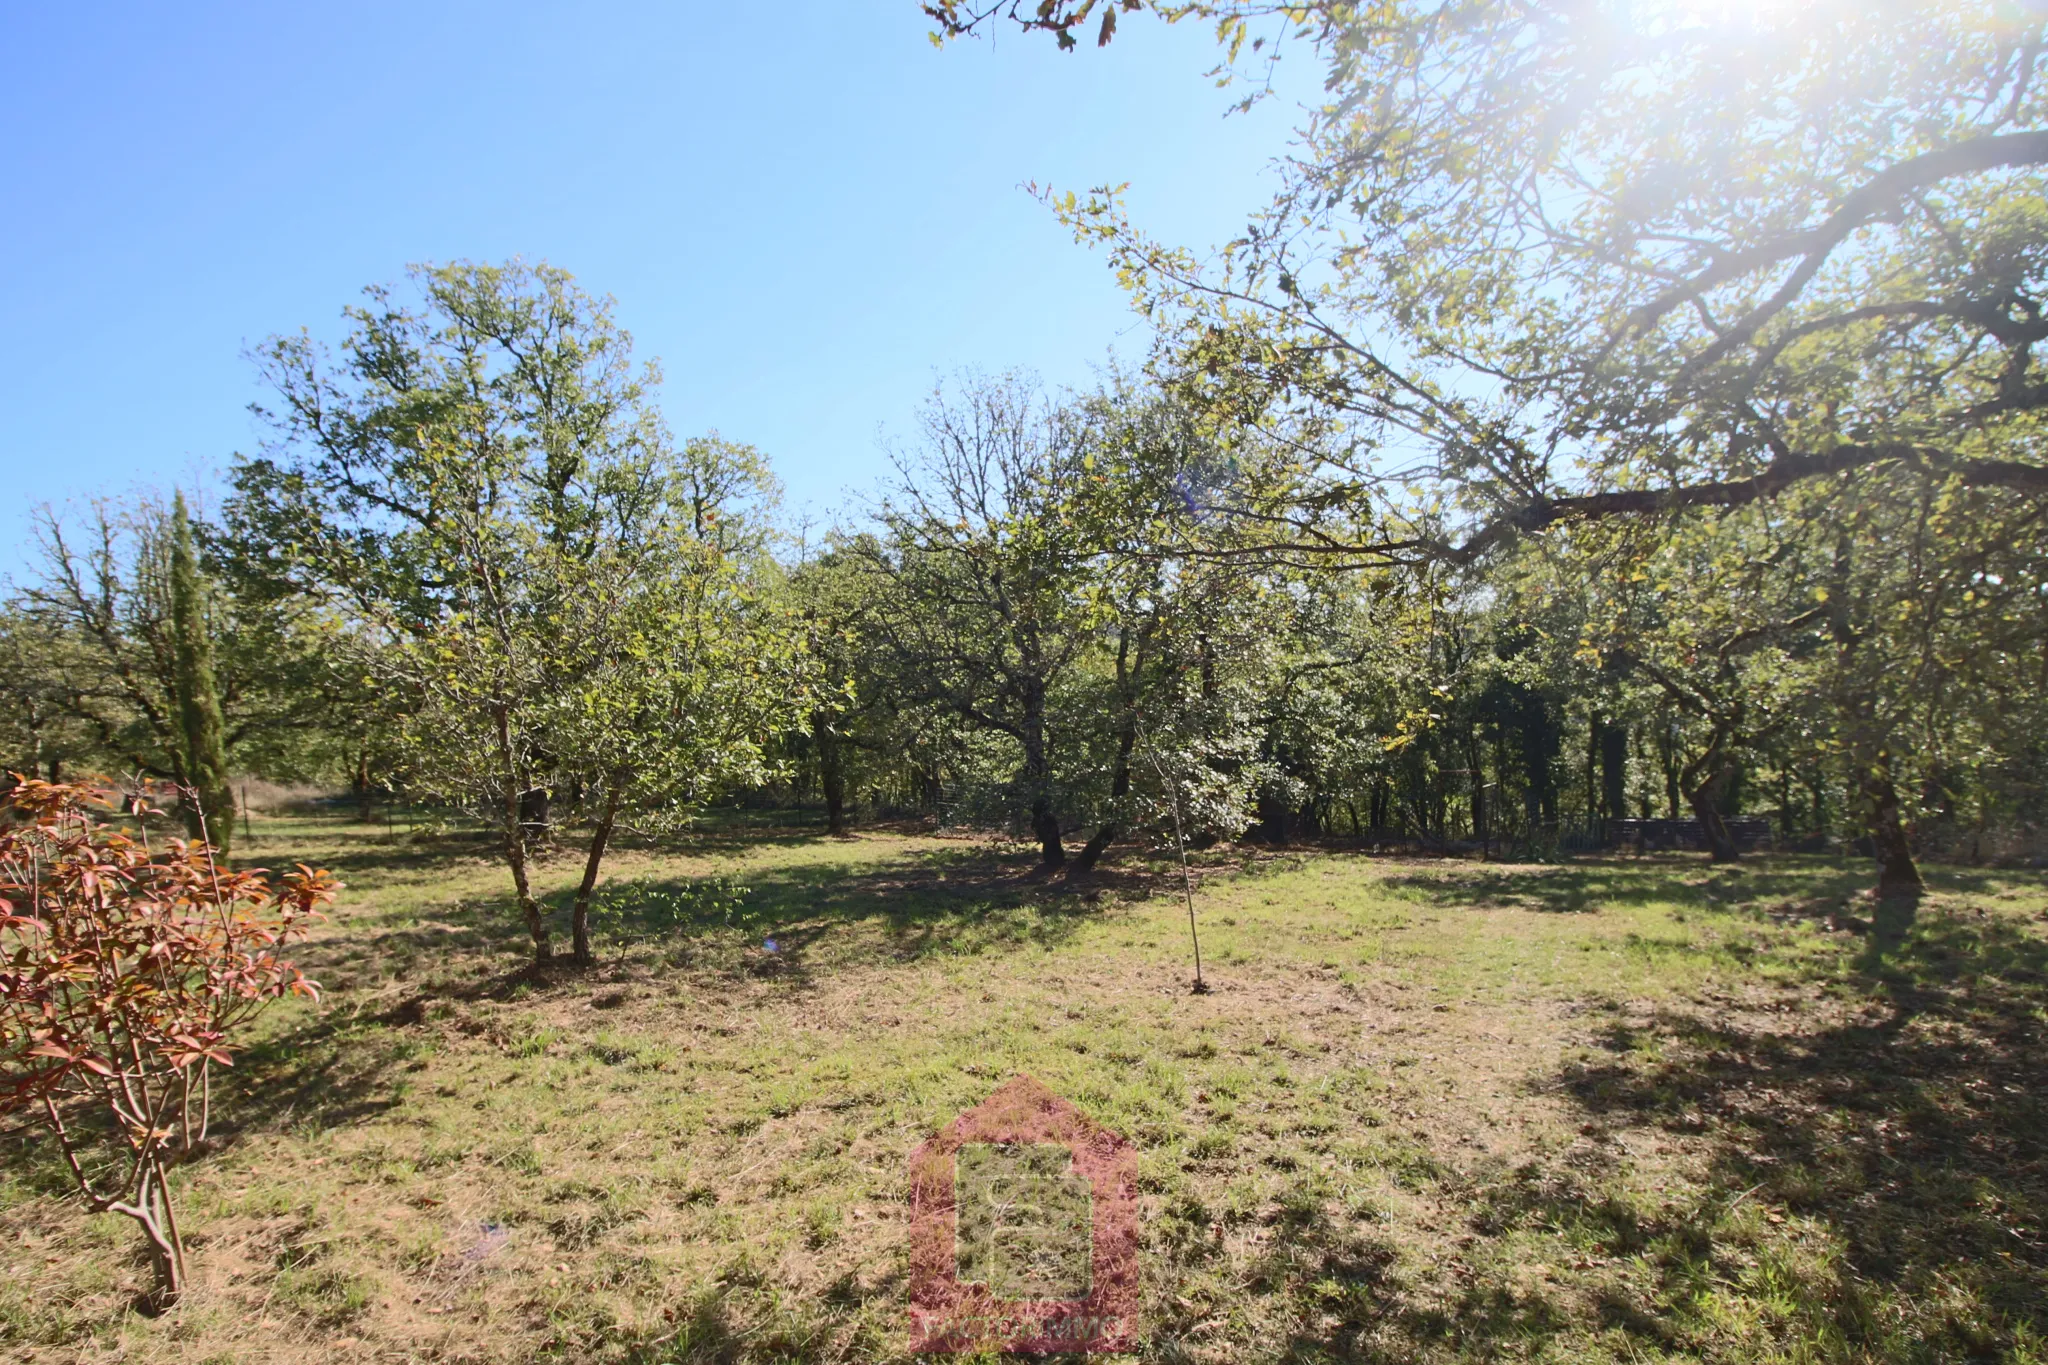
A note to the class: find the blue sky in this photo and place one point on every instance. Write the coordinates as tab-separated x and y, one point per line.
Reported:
805	210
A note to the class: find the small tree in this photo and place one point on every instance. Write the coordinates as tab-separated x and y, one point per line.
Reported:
123	980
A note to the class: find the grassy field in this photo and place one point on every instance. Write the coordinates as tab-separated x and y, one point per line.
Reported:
1629	1110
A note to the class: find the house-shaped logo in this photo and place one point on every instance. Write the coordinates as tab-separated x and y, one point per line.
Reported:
1024	1230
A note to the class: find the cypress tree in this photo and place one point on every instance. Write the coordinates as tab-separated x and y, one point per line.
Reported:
199	714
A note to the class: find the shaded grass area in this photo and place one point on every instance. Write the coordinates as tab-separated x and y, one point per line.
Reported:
1638	1109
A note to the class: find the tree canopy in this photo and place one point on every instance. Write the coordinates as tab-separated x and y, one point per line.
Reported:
1624	418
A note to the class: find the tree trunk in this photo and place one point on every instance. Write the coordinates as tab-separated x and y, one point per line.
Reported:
1706	781
579	916
1667	754
145	1198
529	908
1314	818
150	1208
1541	740
1646	801
534	817
1475	760
1091	852
1045	825
1119	787
1897	873
1707	810
515	845
1898	877
1273	820
361	783
1596	729
831	772
1614	772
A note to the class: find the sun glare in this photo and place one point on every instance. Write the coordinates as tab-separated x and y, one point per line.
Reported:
1730	13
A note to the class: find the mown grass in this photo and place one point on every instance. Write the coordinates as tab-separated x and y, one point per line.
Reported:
1617	1110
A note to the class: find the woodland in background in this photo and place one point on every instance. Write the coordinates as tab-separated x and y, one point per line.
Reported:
1547	456
990	650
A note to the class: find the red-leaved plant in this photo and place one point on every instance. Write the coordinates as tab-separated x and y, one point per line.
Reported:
124	976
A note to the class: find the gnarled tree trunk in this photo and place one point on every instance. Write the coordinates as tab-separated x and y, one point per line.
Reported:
1119	787
1614	772
1045	827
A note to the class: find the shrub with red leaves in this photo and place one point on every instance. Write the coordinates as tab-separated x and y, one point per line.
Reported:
125	975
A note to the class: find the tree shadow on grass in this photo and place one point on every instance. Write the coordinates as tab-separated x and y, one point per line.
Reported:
1911	1128
825	915
326	1071
348	842
1584	887
448	939
821	915
735	831
323	1071
1872	1182
1327	1285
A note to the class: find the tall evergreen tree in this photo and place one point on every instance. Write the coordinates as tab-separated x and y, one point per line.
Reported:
199	714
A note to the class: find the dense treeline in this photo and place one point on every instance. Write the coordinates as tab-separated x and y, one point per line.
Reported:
1535	267
1546	457
1730	663
1042	626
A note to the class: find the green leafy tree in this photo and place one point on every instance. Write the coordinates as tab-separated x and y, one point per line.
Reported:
1170	692
1713	615
41	671
1534	265
434	481
1936	602
482	484
1611	259
975	578
850	717
1001	592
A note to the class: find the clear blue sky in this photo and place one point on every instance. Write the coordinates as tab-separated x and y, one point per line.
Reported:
804	209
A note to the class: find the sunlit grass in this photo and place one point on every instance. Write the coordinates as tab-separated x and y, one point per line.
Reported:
1626	1110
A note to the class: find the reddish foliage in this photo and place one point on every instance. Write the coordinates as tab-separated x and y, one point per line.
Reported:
124	976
